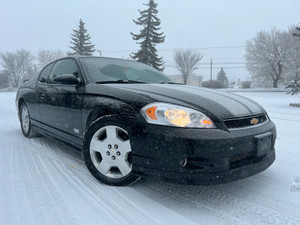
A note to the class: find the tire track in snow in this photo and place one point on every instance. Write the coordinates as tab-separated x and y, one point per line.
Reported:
188	204
36	198
10	211
285	113
41	153
44	146
284	119
119	209
53	151
221	202
295	186
51	199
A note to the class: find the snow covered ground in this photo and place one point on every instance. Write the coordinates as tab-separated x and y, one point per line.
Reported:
45	182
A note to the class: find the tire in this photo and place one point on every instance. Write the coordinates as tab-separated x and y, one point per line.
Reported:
25	121
107	152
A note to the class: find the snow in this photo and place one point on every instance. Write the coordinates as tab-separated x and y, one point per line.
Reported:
46	182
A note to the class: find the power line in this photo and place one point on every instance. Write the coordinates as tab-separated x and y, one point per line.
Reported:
215	67
172	49
216	59
215	62
224	63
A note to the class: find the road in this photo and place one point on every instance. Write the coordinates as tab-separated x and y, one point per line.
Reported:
43	181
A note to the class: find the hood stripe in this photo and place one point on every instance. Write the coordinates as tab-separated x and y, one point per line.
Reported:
236	105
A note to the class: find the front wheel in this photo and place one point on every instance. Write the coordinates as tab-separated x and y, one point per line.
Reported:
107	153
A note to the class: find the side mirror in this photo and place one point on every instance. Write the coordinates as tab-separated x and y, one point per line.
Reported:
68	79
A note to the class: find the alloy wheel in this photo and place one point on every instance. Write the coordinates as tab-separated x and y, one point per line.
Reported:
110	151
25	119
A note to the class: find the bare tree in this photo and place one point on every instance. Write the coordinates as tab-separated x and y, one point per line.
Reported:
47	56
186	61
31	72
268	54
16	64
4	79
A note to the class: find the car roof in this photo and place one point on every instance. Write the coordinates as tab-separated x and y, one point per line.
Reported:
91	56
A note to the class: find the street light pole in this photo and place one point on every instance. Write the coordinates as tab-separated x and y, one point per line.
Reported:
210	70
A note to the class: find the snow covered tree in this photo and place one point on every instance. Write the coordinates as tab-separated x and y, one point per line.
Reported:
267	55
297	32
295	86
80	40
186	61
222	77
294	63
16	64
149	37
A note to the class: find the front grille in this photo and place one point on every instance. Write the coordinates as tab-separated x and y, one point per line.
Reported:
245	121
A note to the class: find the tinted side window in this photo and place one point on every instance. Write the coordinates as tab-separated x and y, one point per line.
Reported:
65	66
45	73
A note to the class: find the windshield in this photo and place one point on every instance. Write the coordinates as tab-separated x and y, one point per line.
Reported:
105	69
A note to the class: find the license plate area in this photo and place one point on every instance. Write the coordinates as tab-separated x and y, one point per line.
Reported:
263	143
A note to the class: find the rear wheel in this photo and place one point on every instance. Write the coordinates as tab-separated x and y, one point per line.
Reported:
108	154
25	121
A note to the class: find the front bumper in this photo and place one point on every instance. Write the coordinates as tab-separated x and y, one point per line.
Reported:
203	156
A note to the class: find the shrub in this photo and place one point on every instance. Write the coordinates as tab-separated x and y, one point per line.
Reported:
246	84
295	86
213	84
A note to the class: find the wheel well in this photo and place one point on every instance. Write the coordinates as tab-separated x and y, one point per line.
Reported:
95	114
20	102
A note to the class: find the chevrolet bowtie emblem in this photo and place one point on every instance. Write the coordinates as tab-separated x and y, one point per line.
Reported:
254	121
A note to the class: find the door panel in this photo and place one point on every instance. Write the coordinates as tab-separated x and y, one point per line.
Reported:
61	108
60	105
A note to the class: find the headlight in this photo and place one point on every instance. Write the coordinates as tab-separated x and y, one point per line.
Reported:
173	115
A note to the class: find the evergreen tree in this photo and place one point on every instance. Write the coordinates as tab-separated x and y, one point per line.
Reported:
80	41
222	77
295	84
297	32
149	37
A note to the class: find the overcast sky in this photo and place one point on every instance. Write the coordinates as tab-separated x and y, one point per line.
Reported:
218	28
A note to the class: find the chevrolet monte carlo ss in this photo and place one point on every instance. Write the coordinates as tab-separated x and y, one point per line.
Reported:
130	120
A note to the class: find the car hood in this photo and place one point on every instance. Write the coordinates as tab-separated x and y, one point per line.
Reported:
216	104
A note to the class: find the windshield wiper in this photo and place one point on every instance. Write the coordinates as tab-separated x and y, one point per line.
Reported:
120	82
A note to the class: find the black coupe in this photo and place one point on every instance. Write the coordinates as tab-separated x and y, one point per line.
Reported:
130	120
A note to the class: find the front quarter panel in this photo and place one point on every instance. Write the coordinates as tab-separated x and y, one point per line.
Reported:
97	106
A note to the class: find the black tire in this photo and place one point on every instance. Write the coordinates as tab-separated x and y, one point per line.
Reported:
107	152
25	121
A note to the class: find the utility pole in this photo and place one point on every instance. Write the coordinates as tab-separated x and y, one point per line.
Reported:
210	70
